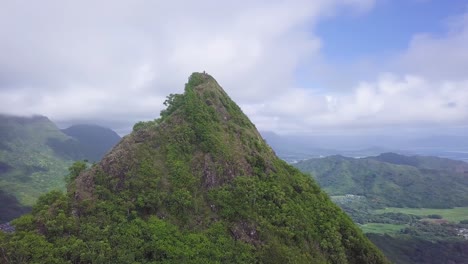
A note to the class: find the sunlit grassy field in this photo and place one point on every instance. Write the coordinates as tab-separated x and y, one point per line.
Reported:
454	215
381	228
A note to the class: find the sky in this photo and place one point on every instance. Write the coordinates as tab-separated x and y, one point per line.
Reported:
294	67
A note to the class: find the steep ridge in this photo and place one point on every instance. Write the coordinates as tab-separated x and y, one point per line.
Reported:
198	185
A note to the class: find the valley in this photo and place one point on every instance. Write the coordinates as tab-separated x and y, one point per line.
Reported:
411	207
456	214
35	155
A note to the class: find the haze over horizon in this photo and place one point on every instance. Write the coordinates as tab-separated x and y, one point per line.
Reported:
341	67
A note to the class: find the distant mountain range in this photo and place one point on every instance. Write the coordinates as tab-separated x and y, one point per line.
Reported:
394	180
89	142
293	148
35	155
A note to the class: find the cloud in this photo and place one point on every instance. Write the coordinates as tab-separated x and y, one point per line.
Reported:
439	57
387	102
113	62
117	60
425	86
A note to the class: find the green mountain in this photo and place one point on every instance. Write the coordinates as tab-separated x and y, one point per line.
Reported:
198	185
393	180
424	162
29	166
429	232
35	155
90	142
95	141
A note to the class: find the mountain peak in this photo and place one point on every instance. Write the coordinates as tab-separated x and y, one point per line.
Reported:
204	126
24	119
203	83
211	94
201	177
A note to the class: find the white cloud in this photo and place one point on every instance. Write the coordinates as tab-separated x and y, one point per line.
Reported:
117	60
439	57
427	86
388	101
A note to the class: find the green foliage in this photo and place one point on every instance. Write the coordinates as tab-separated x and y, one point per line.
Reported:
432	231
200	187
27	247
172	102
33	167
452	215
386	184
74	170
196	79
410	250
381	228
148	124
362	185
283	213
35	155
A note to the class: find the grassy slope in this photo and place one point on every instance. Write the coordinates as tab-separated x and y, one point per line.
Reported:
380	228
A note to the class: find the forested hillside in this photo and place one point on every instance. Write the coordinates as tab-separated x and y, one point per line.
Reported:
393	180
431	231
93	141
31	162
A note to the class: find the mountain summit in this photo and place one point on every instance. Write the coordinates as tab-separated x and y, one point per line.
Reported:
197	185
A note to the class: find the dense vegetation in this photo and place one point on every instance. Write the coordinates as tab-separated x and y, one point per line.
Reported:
393	180
198	185
34	157
30	166
405	235
424	162
406	249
